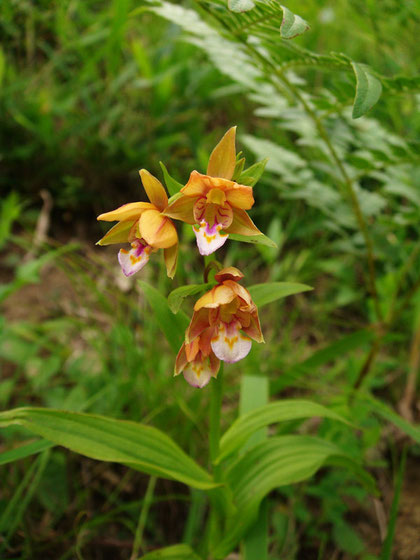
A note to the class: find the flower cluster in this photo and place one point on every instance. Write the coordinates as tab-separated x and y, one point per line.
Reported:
225	319
144	226
214	202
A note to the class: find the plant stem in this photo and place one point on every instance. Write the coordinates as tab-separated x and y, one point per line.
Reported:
216	395
216	387
148	499
368	363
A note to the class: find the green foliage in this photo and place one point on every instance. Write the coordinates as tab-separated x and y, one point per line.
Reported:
172	325
251	422
176	297
176	552
141	447
24	450
262	294
368	90
330	113
386	552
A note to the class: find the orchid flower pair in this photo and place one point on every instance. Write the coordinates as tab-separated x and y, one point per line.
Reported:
225	319
213	204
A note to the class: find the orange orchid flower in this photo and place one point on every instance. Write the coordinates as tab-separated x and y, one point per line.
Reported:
145	227
225	320
214	202
197	361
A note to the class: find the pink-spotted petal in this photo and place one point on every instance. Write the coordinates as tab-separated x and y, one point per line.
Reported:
209	239
230	345
135	259
198	373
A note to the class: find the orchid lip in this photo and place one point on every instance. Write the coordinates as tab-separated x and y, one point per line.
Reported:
209	238
229	344
135	259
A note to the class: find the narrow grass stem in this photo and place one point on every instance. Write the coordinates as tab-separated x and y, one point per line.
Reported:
148	499
216	388
368	363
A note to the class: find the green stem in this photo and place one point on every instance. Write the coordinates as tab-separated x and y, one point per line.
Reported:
216	395
148	499
216	388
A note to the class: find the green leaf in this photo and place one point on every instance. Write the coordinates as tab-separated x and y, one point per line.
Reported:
251	175
177	296
24	450
255	239
175	552
346	538
173	326
271	413
385	412
278	461
387	546
240	162
292	25
254	393
11	516
267	293
2	66
138	446
171	184
327	354
368	90
240	5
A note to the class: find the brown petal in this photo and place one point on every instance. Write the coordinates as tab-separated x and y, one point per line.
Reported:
229	273
157	230
181	209
239	291
254	328
240	196
217	296
199	322
154	190
117	234
223	158
198	185
126	213
242	224
171	259
181	360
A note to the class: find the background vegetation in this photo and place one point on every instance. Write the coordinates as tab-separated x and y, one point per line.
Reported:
91	92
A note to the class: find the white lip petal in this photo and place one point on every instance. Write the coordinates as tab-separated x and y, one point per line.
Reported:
209	239
197	374
230	345
133	260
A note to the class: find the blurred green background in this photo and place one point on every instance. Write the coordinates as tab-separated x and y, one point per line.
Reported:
92	91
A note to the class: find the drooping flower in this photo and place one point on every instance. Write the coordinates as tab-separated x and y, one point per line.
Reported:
197	361
145	227
213	203
224	323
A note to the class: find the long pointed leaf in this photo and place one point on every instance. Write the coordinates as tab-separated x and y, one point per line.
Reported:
280	411
262	294
276	462
141	447
24	450
173	326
